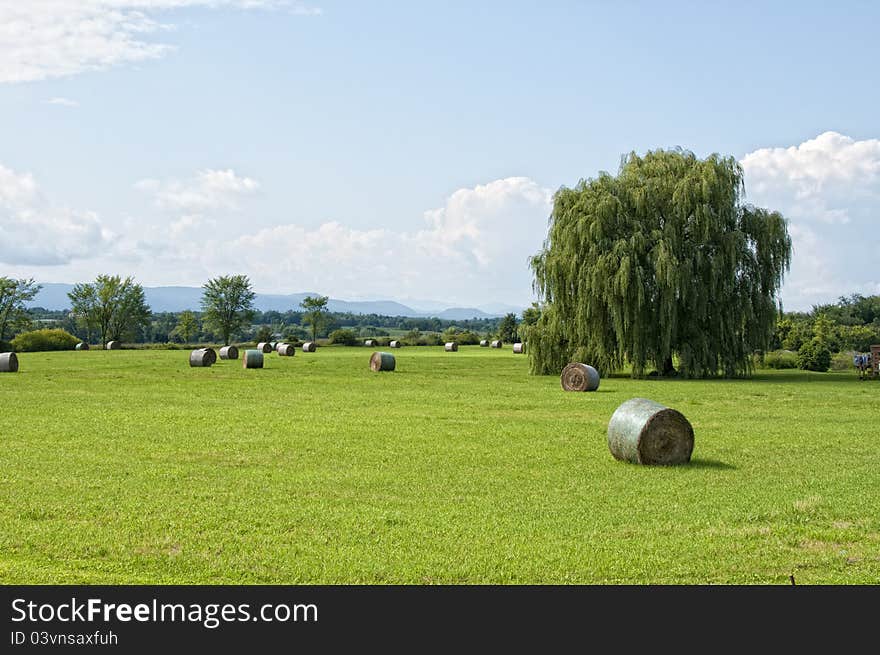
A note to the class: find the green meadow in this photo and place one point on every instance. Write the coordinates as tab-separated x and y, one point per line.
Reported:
132	467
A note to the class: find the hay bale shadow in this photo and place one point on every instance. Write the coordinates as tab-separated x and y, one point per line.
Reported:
704	463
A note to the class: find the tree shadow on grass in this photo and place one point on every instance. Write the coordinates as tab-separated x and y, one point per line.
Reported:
701	463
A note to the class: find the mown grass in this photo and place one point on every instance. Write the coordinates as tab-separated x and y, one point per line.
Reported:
131	467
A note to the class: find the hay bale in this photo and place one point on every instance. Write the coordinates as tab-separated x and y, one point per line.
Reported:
202	357
579	377
395	344
229	352
451	347
519	348
286	350
484	343
8	363
113	345
252	358
498	343
82	345
265	347
274	344
310	347
645	432
369	343
380	361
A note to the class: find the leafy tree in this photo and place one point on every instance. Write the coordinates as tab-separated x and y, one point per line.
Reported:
13	295
507	328
263	334
116	308
814	356
825	330
531	315
315	308
187	326
228	304
797	332
859	337
345	337
662	260
530	318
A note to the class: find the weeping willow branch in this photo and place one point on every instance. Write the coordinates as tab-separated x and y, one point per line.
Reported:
662	261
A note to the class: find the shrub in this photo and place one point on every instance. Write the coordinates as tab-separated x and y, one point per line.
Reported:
264	333
814	356
429	339
40	340
781	359
842	361
345	337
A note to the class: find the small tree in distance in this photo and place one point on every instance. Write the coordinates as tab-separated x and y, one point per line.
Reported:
228	304
117	308
315	308
187	326
507	328
13	295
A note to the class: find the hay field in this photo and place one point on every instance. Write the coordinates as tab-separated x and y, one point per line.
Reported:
132	467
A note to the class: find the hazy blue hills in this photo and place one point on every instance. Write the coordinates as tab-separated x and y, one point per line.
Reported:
175	299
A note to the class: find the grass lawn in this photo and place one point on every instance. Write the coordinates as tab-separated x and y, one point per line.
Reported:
131	467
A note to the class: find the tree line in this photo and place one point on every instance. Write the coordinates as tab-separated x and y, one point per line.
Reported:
114	308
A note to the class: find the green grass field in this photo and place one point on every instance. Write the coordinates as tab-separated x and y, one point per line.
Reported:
131	467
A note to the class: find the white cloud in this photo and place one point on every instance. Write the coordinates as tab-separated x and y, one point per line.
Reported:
473	249
829	189
208	190
42	39
37	234
64	102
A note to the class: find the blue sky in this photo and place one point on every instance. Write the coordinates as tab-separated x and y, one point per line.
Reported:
409	150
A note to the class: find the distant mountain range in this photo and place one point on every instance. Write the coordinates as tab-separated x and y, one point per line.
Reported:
175	299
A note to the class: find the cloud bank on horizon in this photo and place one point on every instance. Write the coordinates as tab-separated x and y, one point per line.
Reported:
471	249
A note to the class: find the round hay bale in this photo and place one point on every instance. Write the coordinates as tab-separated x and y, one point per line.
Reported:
82	345
113	345
265	347
645	432
229	352
498	343
580	377
274	344
380	361
369	343
252	358
484	343
286	350
310	347
202	357
8	363
395	344
451	347
519	348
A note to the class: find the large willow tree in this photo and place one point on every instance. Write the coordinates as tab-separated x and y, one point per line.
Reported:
663	262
